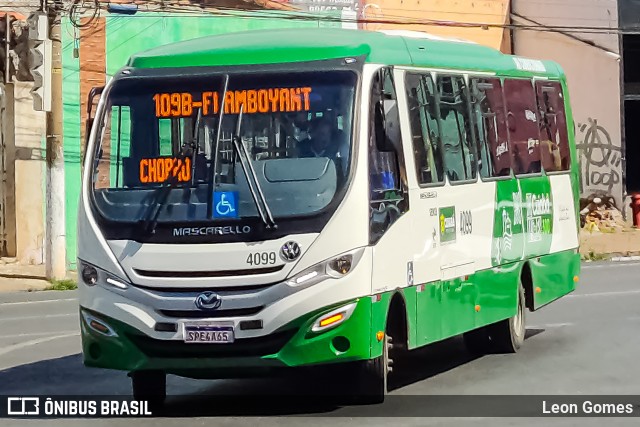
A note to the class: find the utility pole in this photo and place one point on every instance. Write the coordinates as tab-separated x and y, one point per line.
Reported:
56	245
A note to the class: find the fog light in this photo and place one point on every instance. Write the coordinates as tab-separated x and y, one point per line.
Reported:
341	344
89	275
94	351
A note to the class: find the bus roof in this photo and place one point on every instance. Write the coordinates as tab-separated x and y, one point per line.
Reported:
409	48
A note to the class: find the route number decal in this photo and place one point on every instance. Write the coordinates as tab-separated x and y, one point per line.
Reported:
261	258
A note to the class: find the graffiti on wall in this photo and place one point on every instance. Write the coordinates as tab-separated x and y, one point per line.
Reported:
600	160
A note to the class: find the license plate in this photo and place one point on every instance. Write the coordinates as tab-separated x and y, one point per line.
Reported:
208	334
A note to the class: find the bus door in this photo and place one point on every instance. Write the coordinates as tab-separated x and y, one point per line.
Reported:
428	171
463	207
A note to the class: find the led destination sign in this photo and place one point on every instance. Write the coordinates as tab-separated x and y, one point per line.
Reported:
160	169
272	100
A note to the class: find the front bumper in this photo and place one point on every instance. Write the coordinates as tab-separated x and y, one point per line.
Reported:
291	345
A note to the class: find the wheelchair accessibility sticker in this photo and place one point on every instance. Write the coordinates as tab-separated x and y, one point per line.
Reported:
225	204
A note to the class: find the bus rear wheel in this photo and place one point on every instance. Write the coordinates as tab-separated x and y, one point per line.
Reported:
150	386
507	336
478	341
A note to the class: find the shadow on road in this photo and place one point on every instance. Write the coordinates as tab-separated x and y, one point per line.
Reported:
301	392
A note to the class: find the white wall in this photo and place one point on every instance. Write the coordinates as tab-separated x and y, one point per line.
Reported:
29	177
593	76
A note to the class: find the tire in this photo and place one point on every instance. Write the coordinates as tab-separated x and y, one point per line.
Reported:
371	384
150	386
478	341
507	336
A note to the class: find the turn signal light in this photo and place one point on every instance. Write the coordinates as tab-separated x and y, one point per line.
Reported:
99	327
331	320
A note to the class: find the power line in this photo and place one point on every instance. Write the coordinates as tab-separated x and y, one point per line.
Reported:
162	7
384	19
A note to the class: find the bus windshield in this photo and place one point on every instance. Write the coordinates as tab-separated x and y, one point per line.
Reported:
192	147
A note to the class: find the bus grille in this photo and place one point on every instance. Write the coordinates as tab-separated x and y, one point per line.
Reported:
197	314
207	274
245	347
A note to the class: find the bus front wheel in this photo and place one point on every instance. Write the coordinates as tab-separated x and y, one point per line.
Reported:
373	376
150	386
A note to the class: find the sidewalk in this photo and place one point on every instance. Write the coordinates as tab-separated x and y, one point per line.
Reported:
19	277
620	243
597	245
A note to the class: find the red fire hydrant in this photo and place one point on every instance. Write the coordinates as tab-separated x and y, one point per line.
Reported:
635	208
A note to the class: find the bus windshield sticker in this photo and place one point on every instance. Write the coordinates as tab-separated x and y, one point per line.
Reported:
160	169
272	100
225	204
447	224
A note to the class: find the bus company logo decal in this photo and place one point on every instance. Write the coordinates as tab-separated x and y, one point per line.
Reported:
211	231
447	224
503	243
290	251
539	204
531	65
208	301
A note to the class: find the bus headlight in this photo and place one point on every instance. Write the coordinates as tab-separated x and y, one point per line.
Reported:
340	266
89	275
335	268
92	275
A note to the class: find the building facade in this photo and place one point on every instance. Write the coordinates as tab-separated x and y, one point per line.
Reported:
604	95
592	62
22	156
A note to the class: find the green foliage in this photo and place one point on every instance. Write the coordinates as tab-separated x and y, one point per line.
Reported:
62	285
592	256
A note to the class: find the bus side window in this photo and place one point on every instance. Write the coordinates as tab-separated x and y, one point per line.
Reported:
554	139
425	133
522	120
113	169
455	123
386	157
490	127
387	172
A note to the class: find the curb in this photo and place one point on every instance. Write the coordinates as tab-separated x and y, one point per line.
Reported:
625	258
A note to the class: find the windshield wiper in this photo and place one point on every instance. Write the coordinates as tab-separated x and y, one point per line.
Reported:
159	199
245	161
161	194
254	185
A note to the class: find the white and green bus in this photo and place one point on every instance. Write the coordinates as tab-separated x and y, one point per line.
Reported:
271	200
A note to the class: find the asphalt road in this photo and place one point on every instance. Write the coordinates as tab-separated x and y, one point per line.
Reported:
585	344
